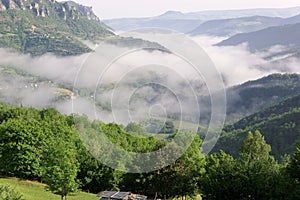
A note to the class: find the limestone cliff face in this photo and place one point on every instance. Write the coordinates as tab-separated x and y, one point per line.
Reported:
47	26
73	9
43	8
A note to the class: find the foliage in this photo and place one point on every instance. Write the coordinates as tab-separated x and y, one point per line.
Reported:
21	147
257	167
252	176
253	96
279	125
179	179
220	180
61	151
29	145
60	169
293	172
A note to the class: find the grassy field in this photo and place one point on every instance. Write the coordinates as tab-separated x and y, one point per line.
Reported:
36	191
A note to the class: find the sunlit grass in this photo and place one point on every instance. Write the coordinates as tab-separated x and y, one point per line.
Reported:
36	191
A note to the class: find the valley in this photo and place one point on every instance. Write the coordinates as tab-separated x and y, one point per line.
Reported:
182	105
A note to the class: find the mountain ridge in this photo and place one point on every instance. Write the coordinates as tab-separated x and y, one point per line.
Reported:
47	26
252	96
285	35
186	22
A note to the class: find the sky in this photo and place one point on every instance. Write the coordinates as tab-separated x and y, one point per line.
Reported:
107	9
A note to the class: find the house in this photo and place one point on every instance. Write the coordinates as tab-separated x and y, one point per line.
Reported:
113	195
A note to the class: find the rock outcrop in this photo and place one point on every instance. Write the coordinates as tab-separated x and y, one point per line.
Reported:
43	8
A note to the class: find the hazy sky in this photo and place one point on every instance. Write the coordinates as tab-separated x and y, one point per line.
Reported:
142	8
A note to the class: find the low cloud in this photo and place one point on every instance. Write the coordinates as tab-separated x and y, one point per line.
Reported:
237	64
115	82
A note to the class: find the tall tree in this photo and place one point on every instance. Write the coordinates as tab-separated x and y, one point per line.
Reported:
181	178
21	147
293	170
253	175
220	180
61	167
258	169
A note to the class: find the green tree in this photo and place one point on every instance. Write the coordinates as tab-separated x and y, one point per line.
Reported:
293	171
92	175
220	180
254	175
21	147
181	178
257	168
61	167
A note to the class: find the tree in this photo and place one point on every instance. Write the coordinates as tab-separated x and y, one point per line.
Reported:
181	178
61	167
293	171
21	147
254	175
93	175
257	168
220	180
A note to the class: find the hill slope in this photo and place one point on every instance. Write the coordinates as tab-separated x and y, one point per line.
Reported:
253	96
279	124
36	191
230	27
287	35
41	26
233	26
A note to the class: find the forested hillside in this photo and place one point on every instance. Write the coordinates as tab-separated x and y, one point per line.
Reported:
256	95
44	145
279	125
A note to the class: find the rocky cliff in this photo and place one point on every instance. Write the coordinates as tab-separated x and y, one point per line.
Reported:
43	8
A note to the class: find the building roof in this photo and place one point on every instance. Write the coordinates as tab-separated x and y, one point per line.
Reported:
121	195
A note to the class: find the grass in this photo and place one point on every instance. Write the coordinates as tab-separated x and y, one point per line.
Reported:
36	191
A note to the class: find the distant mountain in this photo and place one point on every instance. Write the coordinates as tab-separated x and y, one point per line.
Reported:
180	25
253	96
41	26
186	22
286	35
227	14
279	124
230	27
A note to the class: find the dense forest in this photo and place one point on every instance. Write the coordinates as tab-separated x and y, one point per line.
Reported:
45	146
278	123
